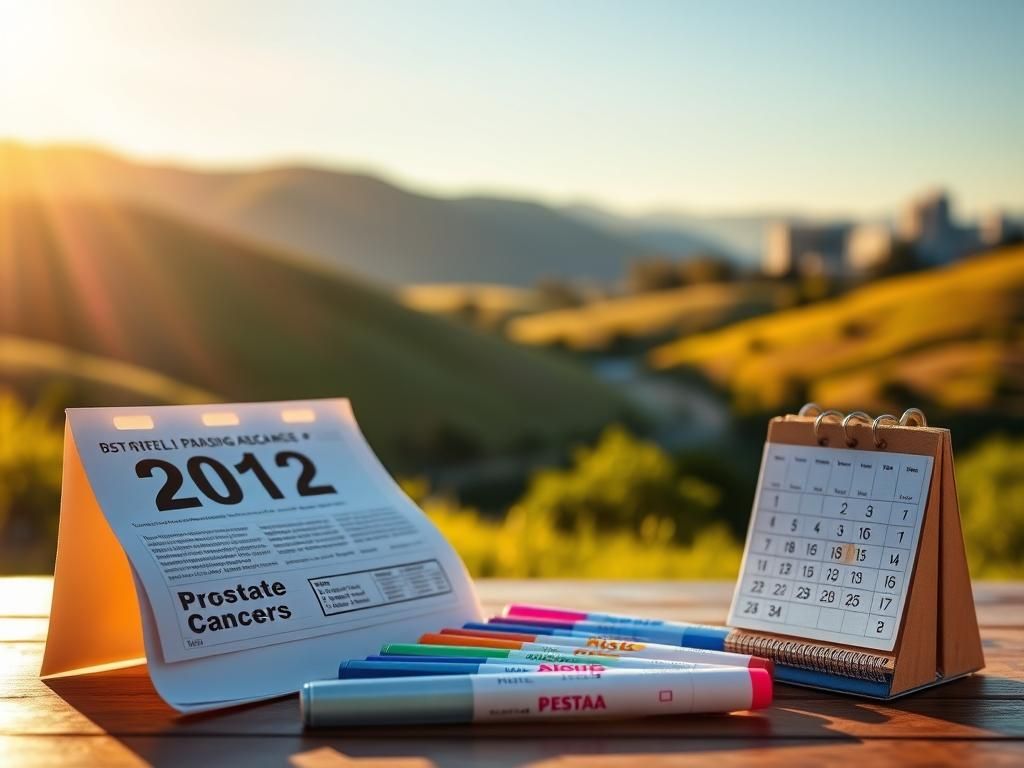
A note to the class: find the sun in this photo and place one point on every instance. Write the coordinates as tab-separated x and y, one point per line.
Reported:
26	33
36	54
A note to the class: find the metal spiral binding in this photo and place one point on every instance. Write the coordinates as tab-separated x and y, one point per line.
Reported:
812	656
912	417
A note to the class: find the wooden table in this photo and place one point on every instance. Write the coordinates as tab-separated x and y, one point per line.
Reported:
116	719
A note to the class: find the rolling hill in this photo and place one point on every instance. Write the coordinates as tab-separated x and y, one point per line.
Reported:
211	313
952	337
483	305
355	222
647	316
35	369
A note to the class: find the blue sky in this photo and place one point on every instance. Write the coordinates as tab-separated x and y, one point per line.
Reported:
821	107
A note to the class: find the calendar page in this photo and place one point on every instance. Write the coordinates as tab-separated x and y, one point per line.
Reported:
831	544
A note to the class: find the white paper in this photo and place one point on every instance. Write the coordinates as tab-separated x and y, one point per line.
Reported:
286	547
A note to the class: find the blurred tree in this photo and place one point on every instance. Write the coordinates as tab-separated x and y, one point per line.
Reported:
661	273
557	294
653	274
706	268
902	257
624	484
991	488
31	449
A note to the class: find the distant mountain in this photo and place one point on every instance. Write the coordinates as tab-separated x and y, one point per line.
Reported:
352	221
115	285
739	237
656	237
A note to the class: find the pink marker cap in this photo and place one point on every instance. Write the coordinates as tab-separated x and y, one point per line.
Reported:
543	612
761	688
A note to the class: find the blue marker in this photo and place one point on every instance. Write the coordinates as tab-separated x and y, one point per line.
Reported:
350	670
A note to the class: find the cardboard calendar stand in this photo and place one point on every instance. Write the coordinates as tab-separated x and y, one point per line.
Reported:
938	638
300	551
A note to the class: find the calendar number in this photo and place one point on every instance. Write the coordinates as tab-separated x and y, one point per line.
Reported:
833	542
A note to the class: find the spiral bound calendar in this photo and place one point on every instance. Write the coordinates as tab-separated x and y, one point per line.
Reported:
854	576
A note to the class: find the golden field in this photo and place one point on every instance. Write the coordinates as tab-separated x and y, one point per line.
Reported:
952	337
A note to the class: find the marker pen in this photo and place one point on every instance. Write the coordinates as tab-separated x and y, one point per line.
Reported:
445	659
607	646
587	661
556	628
515	656
532	696
547	612
683	635
350	670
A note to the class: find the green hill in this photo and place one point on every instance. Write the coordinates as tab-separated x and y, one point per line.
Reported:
214	314
950	337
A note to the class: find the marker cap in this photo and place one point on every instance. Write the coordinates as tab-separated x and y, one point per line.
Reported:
446	699
761	685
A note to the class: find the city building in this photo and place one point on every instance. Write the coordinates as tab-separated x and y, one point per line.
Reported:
868	245
806	249
926	225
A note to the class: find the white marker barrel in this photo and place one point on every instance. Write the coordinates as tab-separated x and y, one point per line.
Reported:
533	696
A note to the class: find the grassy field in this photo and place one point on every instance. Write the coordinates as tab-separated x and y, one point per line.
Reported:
950	337
205	312
680	311
484	305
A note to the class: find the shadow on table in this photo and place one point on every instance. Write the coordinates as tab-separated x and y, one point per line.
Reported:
124	704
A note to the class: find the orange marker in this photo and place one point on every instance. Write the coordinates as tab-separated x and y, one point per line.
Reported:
590	645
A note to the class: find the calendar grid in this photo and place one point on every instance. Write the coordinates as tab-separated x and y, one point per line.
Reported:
831	544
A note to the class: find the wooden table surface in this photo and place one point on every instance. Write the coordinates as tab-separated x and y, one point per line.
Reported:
116	719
